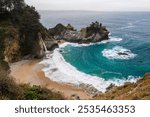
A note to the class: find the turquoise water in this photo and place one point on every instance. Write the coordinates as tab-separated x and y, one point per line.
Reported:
134	30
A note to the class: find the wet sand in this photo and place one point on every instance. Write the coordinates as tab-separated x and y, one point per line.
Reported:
30	72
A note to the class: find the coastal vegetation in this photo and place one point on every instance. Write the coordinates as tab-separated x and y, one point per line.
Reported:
20	37
129	91
20	27
19	31
9	89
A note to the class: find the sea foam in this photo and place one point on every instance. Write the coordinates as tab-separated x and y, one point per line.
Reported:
112	39
118	52
57	69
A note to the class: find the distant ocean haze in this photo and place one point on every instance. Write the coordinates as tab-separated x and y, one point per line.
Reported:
125	57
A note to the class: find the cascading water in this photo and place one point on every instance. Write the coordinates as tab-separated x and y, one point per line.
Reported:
45	48
47	53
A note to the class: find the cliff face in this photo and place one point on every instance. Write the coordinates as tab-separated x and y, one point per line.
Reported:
93	33
11	45
9	41
21	33
49	41
130	91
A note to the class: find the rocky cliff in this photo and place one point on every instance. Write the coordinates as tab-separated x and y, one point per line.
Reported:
93	33
129	91
11	45
22	35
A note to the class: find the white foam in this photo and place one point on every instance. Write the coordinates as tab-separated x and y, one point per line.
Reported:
118	52
120	82
112	39
57	69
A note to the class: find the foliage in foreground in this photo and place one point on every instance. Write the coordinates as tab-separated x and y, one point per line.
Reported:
9	90
38	93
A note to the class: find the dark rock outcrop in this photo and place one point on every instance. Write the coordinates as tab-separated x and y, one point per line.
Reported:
57	30
122	53
93	33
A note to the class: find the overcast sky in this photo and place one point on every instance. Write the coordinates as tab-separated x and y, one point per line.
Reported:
92	5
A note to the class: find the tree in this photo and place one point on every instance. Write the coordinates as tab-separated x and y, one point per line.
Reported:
18	4
9	5
26	19
29	27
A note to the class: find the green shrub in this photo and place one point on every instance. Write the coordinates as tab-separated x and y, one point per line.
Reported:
8	88
38	93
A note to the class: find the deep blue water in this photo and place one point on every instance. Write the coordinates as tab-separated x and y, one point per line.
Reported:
132	27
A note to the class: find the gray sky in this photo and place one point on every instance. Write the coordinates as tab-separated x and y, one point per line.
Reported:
92	5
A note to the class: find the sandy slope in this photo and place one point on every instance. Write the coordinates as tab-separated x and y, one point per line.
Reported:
29	71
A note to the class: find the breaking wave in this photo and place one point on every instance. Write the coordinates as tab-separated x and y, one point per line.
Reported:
57	69
118	52
112	39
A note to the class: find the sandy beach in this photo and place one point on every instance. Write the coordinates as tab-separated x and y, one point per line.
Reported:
30	72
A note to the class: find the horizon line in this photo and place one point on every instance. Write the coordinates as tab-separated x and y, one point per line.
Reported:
89	10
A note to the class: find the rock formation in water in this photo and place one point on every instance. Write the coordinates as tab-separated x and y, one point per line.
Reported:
93	33
21	34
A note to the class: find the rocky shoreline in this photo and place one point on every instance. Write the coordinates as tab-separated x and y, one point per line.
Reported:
22	36
95	32
129	91
52	37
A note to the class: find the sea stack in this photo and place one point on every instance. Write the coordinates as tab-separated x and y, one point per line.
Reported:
95	32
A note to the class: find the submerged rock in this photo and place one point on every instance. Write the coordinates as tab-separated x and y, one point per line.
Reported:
121	53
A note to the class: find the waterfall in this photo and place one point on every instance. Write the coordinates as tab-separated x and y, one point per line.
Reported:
43	47
46	51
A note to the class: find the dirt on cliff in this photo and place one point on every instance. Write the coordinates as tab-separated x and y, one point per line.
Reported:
130	91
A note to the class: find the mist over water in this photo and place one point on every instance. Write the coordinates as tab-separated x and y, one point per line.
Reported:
124	57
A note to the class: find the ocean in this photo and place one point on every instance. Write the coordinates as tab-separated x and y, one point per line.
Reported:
125	57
